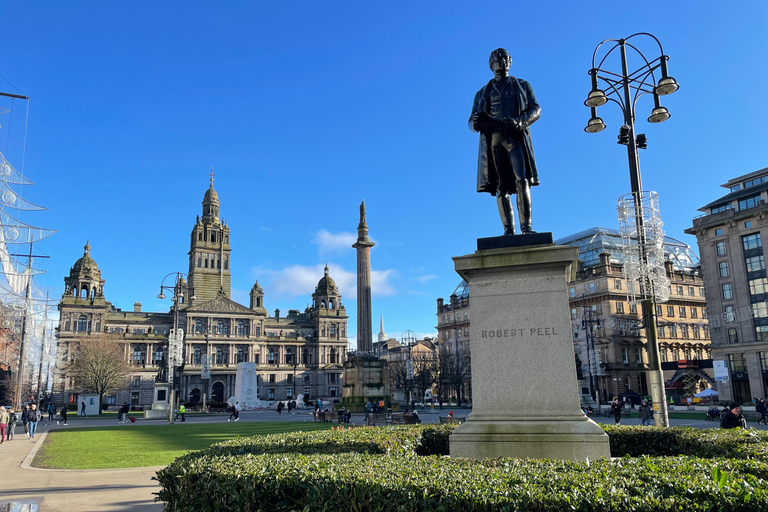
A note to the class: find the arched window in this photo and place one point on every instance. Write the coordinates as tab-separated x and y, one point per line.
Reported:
219	356
226	263
334	356
197	356
138	356
198	326
206	262
199	259
332	330
241	328
330	304
84	293
271	356
82	323
305	358
288	356
240	355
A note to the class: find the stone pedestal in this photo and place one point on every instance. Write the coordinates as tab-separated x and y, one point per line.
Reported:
524	389
365	380
160	405
246	385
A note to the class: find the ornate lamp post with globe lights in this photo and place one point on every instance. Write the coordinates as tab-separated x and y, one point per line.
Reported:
641	226
176	337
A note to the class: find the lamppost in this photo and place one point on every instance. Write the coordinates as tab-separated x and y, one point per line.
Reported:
590	319
175	348
645	235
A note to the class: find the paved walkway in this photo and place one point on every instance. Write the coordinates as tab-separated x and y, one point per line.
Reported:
51	490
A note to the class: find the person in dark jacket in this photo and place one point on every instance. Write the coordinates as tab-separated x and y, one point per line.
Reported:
25	420
616	410
34	416
733	418
12	420
63	414
646	413
762	410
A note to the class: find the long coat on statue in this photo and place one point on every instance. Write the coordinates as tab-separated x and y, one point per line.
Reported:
528	111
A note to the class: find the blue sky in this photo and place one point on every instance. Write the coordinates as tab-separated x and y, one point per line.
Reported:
306	108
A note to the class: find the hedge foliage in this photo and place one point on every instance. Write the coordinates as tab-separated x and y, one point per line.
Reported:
400	469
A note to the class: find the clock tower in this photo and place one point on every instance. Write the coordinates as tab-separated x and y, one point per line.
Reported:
209	270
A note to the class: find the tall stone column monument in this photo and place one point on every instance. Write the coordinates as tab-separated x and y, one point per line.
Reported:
364	321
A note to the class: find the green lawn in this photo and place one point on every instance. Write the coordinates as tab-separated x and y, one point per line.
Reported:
133	446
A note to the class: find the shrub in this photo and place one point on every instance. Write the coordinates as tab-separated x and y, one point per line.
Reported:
398	469
706	443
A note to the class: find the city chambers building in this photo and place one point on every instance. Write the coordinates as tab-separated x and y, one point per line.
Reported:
301	352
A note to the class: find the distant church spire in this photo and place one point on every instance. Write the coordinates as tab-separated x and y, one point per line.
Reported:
382	334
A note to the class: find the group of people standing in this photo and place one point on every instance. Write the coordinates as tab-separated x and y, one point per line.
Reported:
30	417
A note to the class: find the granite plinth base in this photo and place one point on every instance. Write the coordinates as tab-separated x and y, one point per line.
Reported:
525	391
500	242
563	438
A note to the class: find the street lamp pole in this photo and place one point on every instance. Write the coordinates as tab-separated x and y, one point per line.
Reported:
625	89
178	295
589	319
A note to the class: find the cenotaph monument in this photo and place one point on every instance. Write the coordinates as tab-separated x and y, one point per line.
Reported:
246	385
524	384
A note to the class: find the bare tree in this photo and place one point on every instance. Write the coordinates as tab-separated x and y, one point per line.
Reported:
454	369
100	366
397	370
424	371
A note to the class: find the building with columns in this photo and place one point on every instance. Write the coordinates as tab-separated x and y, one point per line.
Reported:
729	235
298	353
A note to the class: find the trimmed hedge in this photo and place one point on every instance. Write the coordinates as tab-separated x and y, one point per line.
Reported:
380	469
706	443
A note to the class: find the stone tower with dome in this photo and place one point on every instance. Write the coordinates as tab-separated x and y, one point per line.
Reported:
209	252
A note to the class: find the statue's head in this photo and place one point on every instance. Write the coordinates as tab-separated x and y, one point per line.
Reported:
500	58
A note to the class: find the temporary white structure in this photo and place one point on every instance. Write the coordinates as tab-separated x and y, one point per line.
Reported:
706	392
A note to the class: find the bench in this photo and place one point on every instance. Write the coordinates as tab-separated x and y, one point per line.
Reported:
452	419
408	419
326	417
377	419
398	419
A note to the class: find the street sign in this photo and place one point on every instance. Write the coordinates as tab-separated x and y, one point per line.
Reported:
205	371
721	370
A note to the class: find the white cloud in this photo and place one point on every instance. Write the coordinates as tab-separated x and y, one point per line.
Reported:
300	280
268	230
423	279
328	242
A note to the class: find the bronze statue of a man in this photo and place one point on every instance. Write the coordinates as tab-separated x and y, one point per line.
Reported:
502	112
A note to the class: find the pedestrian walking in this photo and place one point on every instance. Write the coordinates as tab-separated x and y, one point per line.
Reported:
367	410
51	412
125	409
762	410
182	411
12	420
63	414
237	411
646	413
231	412
34	416
82	409
616	410
280	408
25	420
4	419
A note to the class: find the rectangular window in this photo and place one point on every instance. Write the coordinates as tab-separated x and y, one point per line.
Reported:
136	382
624	355
723	268
591	287
733	336
135	398
681	311
758	286
751	241
289	379
272	377
333	377
749	202
271	394
718	232
332	391
671	311
306	379
639	355
761	333
620	308
748	224
617	284
720	248
572	292
727	291
658	311
691	291
633	308
696	331
729	314
760	310
679	290
737	362
703	312
694	313
662	331
306	392
701	292
289	393
755	263
673	331
684	330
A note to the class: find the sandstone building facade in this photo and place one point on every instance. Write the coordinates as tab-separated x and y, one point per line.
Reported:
299	353
729	235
